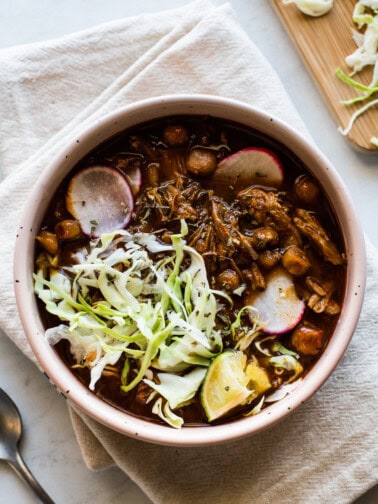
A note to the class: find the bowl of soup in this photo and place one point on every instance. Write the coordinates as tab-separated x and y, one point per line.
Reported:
189	270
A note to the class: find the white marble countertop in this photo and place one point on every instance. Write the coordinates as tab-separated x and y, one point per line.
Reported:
49	446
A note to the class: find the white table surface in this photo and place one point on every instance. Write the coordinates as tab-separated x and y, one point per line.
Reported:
49	446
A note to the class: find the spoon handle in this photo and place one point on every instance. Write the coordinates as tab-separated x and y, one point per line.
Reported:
23	471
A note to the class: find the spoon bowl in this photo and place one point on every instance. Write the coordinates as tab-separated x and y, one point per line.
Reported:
10	426
10	435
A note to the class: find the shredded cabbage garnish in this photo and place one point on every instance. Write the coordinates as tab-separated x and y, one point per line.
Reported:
356	115
163	410
313	8
244	335
365	16
136	297
289	363
283	391
176	389
256	409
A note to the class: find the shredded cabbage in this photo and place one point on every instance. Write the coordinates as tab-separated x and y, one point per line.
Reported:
176	389
246	334
356	115
365	16
133	296
283	391
289	363
256	409
366	52
163	410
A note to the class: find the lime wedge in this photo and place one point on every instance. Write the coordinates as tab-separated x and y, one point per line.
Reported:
225	384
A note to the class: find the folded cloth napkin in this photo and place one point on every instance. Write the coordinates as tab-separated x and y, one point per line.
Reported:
327	450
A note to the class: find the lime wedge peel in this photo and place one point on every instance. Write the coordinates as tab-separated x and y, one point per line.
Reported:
226	385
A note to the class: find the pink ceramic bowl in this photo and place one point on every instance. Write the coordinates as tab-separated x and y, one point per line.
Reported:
102	130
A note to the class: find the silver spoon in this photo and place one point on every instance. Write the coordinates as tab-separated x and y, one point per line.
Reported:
10	435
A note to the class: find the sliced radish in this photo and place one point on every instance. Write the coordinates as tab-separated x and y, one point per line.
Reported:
100	198
134	178
250	166
279	306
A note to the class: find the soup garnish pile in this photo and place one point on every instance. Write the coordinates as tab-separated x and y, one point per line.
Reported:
190	271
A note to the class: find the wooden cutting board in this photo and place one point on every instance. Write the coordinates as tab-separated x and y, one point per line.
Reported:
323	44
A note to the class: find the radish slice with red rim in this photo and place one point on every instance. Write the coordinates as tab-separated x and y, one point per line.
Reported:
279	307
250	166
100	198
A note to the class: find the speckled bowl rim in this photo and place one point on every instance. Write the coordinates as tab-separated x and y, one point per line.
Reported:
115	122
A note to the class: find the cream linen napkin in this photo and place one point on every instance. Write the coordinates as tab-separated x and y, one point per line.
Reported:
326	452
